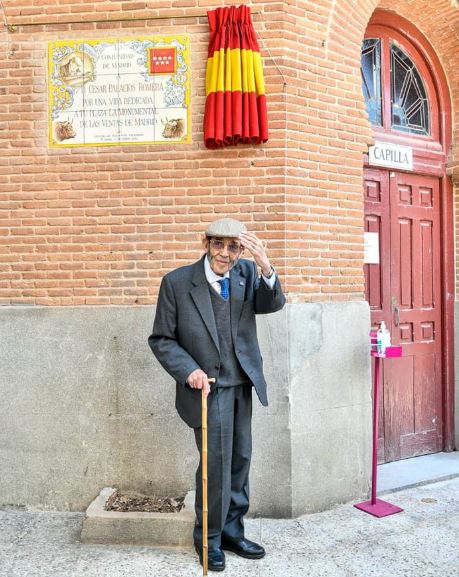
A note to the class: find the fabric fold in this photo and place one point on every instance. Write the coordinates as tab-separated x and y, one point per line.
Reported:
235	109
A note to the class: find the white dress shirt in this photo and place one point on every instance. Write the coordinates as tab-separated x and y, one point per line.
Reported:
213	278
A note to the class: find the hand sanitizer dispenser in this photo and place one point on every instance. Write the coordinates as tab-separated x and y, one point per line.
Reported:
382	338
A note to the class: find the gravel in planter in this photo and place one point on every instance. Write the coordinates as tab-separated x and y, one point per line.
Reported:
124	503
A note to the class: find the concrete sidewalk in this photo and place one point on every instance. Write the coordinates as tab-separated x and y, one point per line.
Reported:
423	541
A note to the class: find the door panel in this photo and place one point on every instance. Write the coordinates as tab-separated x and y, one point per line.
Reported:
398	402
377	276
405	292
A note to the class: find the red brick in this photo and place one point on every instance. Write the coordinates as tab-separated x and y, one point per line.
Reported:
134	212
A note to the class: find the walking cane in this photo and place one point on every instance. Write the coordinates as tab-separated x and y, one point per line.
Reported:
205	545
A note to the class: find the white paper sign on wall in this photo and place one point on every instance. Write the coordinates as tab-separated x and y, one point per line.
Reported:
371	247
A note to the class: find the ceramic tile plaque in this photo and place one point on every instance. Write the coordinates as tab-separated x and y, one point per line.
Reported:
119	91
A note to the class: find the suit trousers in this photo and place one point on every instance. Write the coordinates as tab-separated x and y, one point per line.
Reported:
229	445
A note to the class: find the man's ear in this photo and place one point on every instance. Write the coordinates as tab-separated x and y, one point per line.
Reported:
205	243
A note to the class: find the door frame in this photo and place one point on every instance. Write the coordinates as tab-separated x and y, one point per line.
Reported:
403	28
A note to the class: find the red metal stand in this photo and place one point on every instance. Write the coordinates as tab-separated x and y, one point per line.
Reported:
374	506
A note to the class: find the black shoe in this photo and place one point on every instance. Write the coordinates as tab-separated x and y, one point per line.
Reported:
244	548
215	558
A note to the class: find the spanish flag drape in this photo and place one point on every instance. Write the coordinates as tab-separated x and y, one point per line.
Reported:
235	91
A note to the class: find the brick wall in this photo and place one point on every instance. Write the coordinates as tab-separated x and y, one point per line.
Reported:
101	225
328	132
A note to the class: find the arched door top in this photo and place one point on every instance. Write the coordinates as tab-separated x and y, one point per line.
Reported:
406	91
404	101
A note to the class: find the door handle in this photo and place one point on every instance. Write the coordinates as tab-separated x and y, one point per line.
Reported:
396	311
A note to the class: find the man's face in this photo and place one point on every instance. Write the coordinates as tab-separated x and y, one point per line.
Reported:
223	253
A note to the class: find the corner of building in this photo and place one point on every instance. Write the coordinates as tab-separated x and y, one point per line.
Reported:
330	388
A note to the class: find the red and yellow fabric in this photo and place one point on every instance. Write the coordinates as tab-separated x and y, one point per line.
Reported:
235	89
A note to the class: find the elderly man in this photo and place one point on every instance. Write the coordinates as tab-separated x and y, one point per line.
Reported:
205	327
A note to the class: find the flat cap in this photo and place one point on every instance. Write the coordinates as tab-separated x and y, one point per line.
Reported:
226	227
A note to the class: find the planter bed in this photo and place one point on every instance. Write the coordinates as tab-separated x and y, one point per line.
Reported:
138	527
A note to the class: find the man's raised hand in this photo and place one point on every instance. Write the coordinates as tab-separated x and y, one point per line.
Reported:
255	246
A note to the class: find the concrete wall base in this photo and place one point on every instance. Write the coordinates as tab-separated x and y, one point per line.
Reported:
85	405
330	409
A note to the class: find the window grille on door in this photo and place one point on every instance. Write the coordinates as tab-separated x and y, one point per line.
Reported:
410	110
410	107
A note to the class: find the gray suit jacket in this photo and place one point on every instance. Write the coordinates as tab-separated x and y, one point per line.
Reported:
184	336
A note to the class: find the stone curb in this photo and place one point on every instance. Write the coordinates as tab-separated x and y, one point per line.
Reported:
138	528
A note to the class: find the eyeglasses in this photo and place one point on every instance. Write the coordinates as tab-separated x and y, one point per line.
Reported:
219	245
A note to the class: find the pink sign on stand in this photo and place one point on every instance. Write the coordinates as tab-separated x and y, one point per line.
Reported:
374	506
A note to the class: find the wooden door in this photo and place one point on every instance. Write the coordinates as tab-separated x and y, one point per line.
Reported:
404	290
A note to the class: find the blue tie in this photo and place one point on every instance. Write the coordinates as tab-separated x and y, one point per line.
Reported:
224	283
